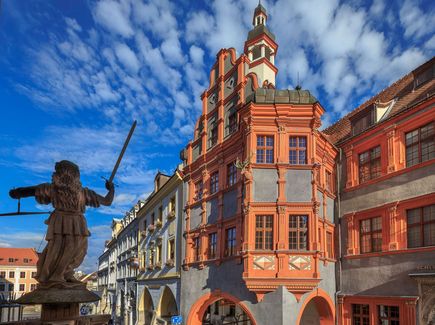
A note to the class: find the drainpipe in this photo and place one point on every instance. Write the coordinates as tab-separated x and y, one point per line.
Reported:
338	223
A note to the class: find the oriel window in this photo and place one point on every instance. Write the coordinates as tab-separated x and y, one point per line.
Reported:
264	232
420	145
371	235
297	150
370	164
421	226
265	145
298	232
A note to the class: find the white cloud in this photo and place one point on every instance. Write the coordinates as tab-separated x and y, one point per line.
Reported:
416	22
113	16
127	57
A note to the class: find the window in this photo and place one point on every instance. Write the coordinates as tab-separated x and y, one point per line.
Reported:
32	286
329	246
363	120
360	314
214	182
160	214
153	218
2	274
22	287
231	174
232	123
370	164
159	254
230	242
199	187
298	232
11	260
388	315
171	249
172	205
26	260
197	248
420	145
371	235
11	274
264	232
297	150
152	257
329	180
212	245
213	134
22	275
11	287
33	274
264	149
2	287
421	226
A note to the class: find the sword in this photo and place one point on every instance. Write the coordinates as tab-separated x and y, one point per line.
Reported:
115	169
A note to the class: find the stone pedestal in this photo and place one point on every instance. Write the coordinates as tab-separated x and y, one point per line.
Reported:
62	306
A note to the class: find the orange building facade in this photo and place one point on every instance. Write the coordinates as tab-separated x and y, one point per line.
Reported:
259	183
387	204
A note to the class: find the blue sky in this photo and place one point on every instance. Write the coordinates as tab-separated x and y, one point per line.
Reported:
75	74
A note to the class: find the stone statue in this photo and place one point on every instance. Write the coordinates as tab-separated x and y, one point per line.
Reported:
67	233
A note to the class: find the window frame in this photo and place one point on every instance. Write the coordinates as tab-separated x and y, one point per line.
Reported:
231	174
21	275
212	245
420	224
388	317
297	150
199	190
264	226
374	165
232	123
230	241
418	143
298	230
214	182
360	316
370	234
196	249
268	150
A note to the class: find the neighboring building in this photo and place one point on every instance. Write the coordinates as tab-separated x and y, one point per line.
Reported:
260	197
17	277
160	226
387	208
104	306
127	264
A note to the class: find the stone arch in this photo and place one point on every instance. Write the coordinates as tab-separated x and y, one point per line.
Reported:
317	309
199	308
167	305
145	308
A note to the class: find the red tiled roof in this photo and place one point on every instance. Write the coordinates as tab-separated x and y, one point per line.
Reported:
402	90
17	256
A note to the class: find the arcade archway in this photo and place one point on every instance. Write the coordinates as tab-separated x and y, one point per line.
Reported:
145	308
168	305
317	309
219	308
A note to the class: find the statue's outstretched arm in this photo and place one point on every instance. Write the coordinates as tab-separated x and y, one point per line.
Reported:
108	199
20	192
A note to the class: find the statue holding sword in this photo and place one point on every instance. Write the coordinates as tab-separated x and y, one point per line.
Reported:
67	233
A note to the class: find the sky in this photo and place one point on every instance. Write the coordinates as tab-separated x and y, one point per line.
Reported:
75	74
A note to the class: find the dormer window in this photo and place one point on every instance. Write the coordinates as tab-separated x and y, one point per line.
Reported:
424	74
362	120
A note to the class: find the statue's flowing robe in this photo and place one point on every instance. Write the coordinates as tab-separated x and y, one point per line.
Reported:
67	235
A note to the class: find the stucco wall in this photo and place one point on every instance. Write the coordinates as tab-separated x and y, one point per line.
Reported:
298	185
329	209
195	217
212	211
265	187
230	204
414	183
